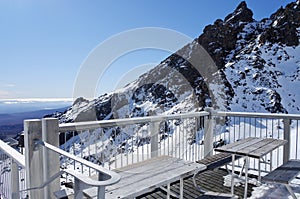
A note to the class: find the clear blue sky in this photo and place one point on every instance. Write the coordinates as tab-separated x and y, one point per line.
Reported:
43	43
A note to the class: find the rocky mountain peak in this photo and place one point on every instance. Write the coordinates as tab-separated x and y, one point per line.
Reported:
258	62
241	14
283	29
221	37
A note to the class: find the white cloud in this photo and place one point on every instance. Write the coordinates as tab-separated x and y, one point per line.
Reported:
9	85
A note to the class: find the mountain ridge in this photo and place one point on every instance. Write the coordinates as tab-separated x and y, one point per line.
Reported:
255	62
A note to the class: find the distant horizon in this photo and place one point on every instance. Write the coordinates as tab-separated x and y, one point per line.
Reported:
46	99
13	106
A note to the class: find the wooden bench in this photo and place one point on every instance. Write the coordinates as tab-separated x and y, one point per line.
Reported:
284	175
217	160
211	163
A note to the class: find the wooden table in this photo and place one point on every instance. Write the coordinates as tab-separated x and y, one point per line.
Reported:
250	147
143	177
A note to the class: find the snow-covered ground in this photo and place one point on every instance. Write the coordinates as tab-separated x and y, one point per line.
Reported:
270	191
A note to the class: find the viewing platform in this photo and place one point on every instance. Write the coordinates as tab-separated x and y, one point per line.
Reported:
166	156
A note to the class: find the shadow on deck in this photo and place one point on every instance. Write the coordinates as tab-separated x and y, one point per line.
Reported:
208	180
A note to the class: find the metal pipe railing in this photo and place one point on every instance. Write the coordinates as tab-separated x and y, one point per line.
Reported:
12	164
120	142
232	126
78	126
105	176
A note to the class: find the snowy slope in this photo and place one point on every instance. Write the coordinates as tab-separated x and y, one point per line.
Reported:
264	79
264	76
257	69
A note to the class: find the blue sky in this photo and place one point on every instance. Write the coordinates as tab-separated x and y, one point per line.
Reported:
44	43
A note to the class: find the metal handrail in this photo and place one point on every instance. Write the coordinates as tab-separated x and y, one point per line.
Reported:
114	177
13	153
258	115
126	121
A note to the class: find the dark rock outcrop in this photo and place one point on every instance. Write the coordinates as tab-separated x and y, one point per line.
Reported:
221	37
283	29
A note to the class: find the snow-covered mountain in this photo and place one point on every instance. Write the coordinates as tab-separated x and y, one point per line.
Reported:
253	66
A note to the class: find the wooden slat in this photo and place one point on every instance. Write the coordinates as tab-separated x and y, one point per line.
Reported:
217	160
258	145
157	166
268	148
233	147
252	147
149	181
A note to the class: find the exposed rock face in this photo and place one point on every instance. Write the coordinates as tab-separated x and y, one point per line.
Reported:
283	28
258	62
221	37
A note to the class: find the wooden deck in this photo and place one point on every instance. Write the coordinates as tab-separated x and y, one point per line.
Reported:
208	180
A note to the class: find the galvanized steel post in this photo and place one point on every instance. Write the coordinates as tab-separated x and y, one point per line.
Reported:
286	136
51	162
33	157
209	133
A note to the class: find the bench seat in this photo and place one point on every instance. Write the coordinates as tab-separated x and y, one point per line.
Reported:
284	174
217	160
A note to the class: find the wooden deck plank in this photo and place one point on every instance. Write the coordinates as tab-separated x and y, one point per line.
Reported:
210	180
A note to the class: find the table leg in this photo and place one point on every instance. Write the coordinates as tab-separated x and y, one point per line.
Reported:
246	176
181	187
232	175
259	170
291	191
168	192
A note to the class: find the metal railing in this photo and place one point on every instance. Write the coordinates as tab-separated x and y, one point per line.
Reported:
121	142
12	176
104	177
233	126
43	165
117	143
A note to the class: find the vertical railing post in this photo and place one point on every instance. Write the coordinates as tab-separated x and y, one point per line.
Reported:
51	162
286	136
101	189
33	157
209	133
15	180
154	129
